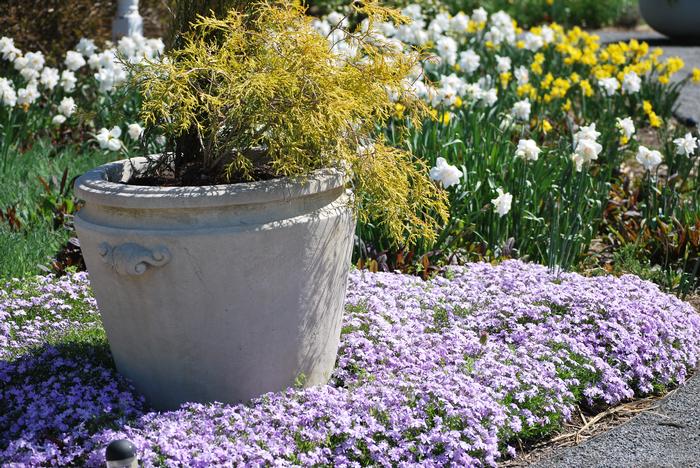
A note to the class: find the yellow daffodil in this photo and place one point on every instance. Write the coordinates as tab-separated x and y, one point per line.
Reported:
696	75
505	78
546	126
654	120
586	88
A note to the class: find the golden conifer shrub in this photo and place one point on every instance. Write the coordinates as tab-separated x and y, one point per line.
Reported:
261	90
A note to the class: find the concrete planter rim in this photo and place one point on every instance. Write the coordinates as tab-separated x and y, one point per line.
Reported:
105	185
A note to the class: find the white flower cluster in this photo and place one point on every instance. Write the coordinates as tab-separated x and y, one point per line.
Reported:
447	33
37	78
586	146
631	84
65	109
111	139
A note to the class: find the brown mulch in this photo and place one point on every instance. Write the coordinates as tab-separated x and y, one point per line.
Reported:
581	428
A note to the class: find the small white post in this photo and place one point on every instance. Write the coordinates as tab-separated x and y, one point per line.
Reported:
128	22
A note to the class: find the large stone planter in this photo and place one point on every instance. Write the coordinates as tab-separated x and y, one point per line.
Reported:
679	19
217	293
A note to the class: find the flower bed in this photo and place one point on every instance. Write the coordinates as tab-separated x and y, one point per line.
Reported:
450	370
516	116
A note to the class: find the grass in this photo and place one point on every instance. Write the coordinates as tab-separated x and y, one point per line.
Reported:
37	239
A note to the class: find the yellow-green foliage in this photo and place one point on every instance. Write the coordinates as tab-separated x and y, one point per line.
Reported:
264	78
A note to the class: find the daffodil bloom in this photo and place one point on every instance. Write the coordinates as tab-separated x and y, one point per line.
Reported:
528	150
609	85
546	126
586	88
687	145
135	131
654	120
445	173
586	133
502	203
588	150
74	60
648	158
626	128
67	106
696	75
631	83
109	139
521	110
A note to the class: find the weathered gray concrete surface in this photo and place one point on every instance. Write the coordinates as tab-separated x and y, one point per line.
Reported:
668	436
689	102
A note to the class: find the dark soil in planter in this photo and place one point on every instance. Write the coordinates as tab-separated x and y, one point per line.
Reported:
194	177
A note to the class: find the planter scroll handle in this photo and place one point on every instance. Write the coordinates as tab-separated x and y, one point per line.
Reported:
133	259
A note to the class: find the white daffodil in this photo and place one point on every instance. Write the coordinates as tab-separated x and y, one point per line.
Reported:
521	110
447	49
578	161
609	85
650	159
626	127
135	131
533	42
8	95
547	34
445	173
20	63
502	203
68	81
631	83
490	97
480	16
67	106
503	64
49	78
528	150
459	23
35	60
109	139
522	75
8	50
74	60
469	61
58	120
28	95
86	47
588	150
29	74
687	145
586	133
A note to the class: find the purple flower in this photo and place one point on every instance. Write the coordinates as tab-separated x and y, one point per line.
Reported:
450	371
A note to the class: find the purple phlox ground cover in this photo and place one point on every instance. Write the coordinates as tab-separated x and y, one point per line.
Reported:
449	371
